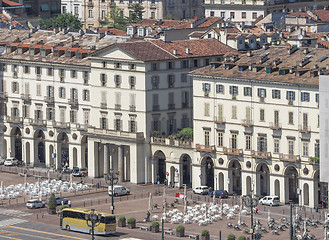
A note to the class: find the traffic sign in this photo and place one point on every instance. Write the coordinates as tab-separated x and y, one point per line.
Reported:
167	173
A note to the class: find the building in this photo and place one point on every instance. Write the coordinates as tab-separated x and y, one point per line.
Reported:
42	8
96	12
257	128
72	6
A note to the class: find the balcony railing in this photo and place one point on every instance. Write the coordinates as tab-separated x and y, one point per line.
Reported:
103	105
73	101
132	108
171	142
275	126
49	99
117	106
38	122
289	158
261	155
220	120
232	151
25	96
63	125
14	119
247	123
171	106
205	148
155	107
304	129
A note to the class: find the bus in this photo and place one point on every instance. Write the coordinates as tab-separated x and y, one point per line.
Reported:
74	219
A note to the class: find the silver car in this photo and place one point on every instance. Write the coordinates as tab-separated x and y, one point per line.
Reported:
34	203
11	162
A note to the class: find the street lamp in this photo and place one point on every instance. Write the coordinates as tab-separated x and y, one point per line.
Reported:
251	202
112	178
93	220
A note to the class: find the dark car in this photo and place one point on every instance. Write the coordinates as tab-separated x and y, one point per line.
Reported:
219	193
59	200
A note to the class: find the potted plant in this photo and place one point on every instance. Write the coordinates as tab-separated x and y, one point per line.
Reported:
155	227
231	236
242	237
205	234
121	221
131	222
52	204
180	231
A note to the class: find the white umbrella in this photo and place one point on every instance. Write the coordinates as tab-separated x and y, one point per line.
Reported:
71	181
150	203
268	215
1	187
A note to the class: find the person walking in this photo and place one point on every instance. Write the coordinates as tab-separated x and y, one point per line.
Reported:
62	202
69	202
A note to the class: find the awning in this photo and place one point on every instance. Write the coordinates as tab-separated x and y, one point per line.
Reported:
44	7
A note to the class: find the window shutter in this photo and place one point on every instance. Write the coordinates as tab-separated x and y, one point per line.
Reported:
258	92
121	125
265	144
258	144
293	95
27	88
231	90
308	97
264	93
204	87
287	95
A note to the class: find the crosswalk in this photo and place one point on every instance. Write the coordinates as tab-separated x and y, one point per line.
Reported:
11	221
13	213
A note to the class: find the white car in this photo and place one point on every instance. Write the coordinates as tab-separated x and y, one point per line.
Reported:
11	162
270	201
34	203
118	190
203	190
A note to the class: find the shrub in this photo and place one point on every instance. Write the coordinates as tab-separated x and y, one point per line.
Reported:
52	204
62	207
180	228
242	237
231	236
131	220
122	218
204	232
155	224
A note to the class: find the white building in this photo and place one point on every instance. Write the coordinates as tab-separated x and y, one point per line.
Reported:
257	127
72	6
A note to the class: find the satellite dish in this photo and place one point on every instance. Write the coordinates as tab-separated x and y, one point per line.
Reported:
300	37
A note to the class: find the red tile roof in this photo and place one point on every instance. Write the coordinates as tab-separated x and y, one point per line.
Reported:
209	21
112	31
11	3
323	15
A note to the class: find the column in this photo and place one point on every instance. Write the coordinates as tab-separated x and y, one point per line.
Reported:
126	166
120	163
106	159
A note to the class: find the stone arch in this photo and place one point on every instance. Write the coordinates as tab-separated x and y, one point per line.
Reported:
220	181
62	150
262	179
291	183
16	143
306	194
84	151
319	188
234	173
39	148
207	172
277	188
186	169
160	166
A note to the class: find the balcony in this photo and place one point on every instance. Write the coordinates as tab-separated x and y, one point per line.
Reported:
62	125
38	122
304	129
261	155
73	102
205	148
155	107
290	102
275	126
103	105
26	97
185	105
15	74
289	158
233	151
49	99
220	120
171	106
132	108
117	106
14	119
153	6
90	4
247	123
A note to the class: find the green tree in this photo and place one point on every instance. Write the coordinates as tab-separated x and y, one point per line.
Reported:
117	19
137	13
66	20
186	134
169	17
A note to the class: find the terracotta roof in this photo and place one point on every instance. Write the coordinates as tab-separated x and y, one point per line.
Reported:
164	24
298	14
323	43
323	15
228	30
11	3
209	21
112	31
196	34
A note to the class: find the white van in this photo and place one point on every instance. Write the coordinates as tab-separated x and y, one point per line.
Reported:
118	190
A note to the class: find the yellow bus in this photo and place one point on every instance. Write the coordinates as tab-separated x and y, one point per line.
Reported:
74	219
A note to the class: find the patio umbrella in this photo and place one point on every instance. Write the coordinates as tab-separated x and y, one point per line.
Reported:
1	187
71	181
150	203
268	216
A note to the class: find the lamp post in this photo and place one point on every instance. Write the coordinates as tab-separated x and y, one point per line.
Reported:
111	179
251	202
93	220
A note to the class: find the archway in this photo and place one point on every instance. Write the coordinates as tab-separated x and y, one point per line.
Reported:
160	173
277	188
306	194
186	169
291	183
39	147
63	149
248	185
16	139
263	179
207	171
235	176
221	181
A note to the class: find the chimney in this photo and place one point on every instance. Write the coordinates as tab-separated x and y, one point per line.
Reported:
188	51
249	54
175	52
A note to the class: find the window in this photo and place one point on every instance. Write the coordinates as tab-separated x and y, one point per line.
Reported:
206	138
195	63
247	91
220	113
90	13
234	112
262	115
305	96
207	61
222	14
117	80
170	65
305	149
232	15
206	87
62	114
132	125
85	95
15	87
50	91
38	70
206	109
155	82
74	93
62	75
276	118
103	79
290	95
234	90
291	144
103	14
117	124
317	97
262	144
185	64
276	145
50	113
26	69
61	92
254	15
154	66
49	71
234	141
3	67
171	81
152	15
185	121
26	111
76	10
63	9
276	94
132	82
291	118
219	88
117	65
86	114
262	92
317	149
38	89
183	77
85	77
185	99
73	74
103	123
244	15
305	120
132	66
73	116
220	139
248	142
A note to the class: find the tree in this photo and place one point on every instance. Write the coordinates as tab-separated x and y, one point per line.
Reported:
169	17
186	134
137	13
118	20
66	20
52	204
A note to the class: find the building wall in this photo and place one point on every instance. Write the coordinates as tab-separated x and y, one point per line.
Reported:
74	7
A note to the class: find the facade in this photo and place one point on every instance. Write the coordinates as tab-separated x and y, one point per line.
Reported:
324	116
96	12
72	6
42	8
257	131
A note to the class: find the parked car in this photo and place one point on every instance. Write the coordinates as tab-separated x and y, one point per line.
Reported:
80	172
34	203
2	160
59	200
270	201
118	190
11	161
203	190
219	193
66	170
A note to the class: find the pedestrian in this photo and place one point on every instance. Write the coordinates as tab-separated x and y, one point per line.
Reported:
69	202
256	210
62	202
165	182
148	216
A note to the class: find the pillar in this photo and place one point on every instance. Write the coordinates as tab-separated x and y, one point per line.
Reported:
120	163
126	166
106	159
